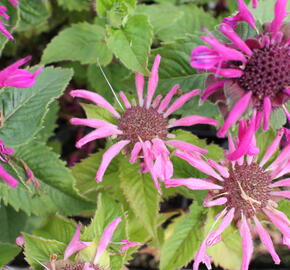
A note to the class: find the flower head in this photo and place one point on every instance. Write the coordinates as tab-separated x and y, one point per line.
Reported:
16	77
248	189
250	74
5	152
142	130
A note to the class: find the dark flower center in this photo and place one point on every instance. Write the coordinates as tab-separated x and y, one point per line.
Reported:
139	123
247	189
267	72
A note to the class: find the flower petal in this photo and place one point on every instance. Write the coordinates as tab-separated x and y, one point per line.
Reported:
184	146
135	152
219	201
212	88
125	100
267	108
280	14
9	179
168	97
194	120
139	82
191	183
93	123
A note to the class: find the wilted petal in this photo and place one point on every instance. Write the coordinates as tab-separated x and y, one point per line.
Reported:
194	120
266	240
239	108
75	244
106	237
177	104
96	98
191	183
247	243
153	80
9	179
113	151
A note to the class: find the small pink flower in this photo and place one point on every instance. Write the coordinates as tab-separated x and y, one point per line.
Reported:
250	75
142	130
15	3
4	157
20	78
128	244
248	188
20	241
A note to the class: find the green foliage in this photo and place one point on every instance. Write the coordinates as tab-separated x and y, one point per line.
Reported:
121	6
77	5
81	42
24	111
180	247
278	119
8	252
141	193
131	44
93	111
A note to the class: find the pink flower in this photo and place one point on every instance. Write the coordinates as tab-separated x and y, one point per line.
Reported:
142	130
20	241
248	188
3	13
250	75
128	244
15	3
19	78
4	157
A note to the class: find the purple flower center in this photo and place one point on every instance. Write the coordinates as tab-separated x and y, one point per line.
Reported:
247	189
267	72
139	123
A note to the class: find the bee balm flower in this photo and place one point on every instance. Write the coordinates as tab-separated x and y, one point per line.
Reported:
248	189
142	130
250	74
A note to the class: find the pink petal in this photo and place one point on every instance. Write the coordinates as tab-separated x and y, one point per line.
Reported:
227	72
128	244
212	88
229	32
184	146
266	240
284	193
113	151
156	101
247	243
168	97
198	164
180	102
139	81
106	238
135	152
255	3
282	158
201	256
3	13
9	179
125	100
20	241
191	183
223	171
93	123
239	108
96	98
215	237
15	3
267	108
194	120
5	32
203	57
219	201
281	183
75	244
97	134
153	81
280	14
272	148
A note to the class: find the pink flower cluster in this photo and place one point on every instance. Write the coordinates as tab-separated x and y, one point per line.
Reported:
3	14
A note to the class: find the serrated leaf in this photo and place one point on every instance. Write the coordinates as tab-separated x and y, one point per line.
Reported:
57	228
34	15
8	252
12	23
56	194
39	248
81	42
123	6
141	193
180	247
131	44
78	5
25	109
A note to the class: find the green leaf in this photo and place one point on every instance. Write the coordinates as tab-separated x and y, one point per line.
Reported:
131	44
12	23
180	247
284	206
264	139
123	6
25	109
93	111
57	228
38	248
141	193
8	253
228	252
81	42
78	5
56	194
34	15
278	119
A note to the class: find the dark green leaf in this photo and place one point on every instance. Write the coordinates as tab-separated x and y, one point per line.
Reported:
8	252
